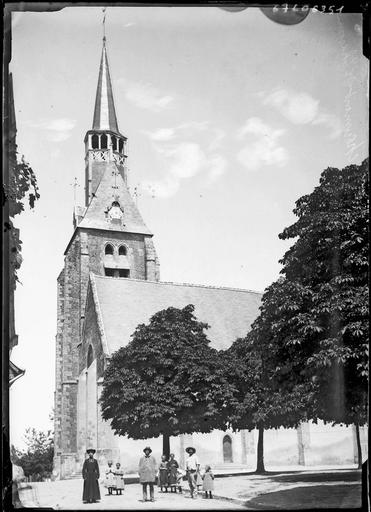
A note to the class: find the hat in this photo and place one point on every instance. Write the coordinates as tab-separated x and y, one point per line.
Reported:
90	450
190	448
147	448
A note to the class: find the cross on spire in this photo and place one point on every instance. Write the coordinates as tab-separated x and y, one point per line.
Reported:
104	24
75	184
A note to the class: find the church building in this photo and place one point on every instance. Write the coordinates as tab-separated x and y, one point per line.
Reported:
109	284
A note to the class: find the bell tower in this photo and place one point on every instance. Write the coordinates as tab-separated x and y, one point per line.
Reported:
103	143
109	239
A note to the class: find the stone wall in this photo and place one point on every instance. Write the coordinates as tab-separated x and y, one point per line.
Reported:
85	253
97	240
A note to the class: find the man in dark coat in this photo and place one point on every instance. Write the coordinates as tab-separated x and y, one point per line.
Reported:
90	474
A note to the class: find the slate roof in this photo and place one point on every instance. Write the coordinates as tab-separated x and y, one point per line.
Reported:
122	304
104	111
113	188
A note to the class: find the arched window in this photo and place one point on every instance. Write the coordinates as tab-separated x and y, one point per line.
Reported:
227	449
122	250
103	141
90	357
121	145
95	141
108	249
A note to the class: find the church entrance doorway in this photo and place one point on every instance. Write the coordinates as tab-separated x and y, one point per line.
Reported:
227	449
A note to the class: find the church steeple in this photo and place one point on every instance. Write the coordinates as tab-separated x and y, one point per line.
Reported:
104	111
103	143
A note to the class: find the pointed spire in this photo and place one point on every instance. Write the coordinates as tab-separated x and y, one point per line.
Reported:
104	111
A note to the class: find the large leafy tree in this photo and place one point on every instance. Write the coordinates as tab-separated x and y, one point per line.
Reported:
167	381
258	401
328	267
307	353
315	317
37	459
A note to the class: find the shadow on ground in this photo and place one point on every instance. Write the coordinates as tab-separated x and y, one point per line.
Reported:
316	496
341	476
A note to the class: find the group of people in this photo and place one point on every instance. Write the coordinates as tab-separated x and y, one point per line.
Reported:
167	475
114	480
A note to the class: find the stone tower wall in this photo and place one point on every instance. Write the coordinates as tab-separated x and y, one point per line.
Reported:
135	244
70	340
85	254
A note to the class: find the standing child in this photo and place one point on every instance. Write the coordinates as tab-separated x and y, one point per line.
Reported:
199	480
109	481
119	479
179	480
208	482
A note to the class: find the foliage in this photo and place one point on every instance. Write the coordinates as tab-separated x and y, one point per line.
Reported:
22	186
327	312
314	319
258	399
167	381
306	356
37	458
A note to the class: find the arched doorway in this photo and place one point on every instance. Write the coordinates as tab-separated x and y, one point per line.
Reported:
227	449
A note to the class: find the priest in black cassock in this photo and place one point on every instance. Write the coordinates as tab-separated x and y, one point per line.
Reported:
90	474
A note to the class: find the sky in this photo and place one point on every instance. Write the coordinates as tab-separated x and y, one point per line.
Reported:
230	119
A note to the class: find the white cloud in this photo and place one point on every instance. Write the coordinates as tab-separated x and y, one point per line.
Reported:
332	122
146	96
261	146
217	167
186	151
57	130
187	159
301	108
163	134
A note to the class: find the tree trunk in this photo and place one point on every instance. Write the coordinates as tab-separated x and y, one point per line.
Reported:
359	448
166	445
260	462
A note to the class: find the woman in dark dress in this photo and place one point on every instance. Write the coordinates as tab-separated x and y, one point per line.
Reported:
173	466
163	474
90	474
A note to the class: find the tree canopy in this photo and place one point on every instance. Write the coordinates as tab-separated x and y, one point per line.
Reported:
306	356
322	325
314	318
166	381
37	459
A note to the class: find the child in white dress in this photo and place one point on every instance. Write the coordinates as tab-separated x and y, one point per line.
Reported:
208	482
109	481
119	479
